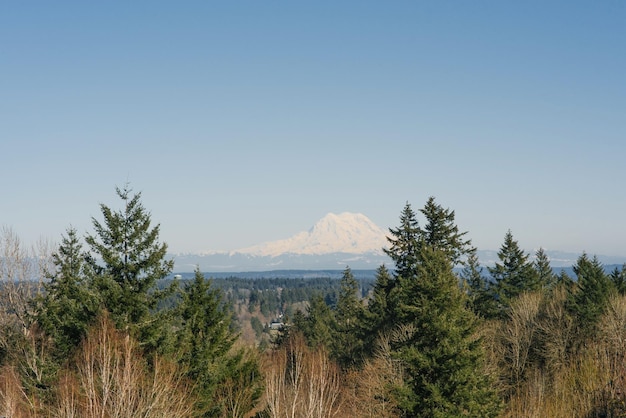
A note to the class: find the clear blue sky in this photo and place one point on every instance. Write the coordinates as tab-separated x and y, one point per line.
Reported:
244	122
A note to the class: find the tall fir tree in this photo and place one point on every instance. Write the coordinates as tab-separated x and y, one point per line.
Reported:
379	316
514	274
70	304
545	275
378	304
204	341
479	290
129	261
438	347
441	232
405	244
434	331
588	299
618	277
319	323
347	345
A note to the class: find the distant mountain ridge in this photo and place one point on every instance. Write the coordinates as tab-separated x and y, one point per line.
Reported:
333	243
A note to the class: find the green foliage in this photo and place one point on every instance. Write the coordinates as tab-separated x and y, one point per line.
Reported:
129	260
318	325
405	244
419	317
434	335
257	326
514	274
241	388
564	280
204	332
276	293
438	347
441	233
545	275
347	345
379	316
205	342
618	277
588	299
69	304
479	289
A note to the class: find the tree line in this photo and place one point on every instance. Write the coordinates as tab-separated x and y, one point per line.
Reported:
514	340
96	339
103	333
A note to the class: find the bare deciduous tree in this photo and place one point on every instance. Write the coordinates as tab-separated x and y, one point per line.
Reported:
21	275
519	335
557	331
16	274
302	383
112	380
14	402
371	388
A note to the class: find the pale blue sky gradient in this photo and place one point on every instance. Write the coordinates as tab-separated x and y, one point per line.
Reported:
244	122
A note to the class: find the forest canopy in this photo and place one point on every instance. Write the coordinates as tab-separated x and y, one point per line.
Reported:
98	326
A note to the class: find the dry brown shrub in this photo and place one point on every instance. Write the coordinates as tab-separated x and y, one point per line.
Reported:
370	391
587	382
518	335
14	402
112	380
557	331
301	383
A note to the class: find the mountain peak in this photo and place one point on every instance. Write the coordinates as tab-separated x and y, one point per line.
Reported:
347	232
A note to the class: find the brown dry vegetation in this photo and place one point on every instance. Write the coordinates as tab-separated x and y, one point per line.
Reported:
542	365
532	354
301	382
108	378
304	382
539	375
543	374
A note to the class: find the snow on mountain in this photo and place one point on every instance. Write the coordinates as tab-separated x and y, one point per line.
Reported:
351	233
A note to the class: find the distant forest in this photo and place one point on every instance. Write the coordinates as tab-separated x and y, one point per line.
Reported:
100	326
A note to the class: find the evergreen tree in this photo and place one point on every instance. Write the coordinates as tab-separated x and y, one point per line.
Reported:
514	274
319	324
131	263
588	300
294	324
545	275
618	277
564	280
347	345
205	340
378	317
479	290
68	306
438	347
440	232
434	334
405	244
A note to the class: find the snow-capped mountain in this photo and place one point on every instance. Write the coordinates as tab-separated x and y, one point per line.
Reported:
334	242
351	233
